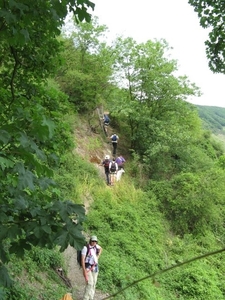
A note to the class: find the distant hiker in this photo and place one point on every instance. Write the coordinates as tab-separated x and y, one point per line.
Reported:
106	119
89	260
120	162
114	139
105	164
113	168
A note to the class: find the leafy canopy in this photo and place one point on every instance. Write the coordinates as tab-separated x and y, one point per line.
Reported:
211	15
32	211
86	67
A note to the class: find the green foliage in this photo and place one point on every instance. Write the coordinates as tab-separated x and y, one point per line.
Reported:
193	202
87	66
198	281
76	178
136	242
117	218
29	139
29	149
221	162
172	143
211	15
135	170
37	276
46	258
162	126
213	118
38	171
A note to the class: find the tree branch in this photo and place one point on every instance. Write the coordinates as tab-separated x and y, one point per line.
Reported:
13	52
166	270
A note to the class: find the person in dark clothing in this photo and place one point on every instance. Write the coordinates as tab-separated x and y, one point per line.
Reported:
105	164
106	120
114	138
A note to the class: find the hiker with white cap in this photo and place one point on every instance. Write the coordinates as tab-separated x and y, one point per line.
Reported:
89	261
105	164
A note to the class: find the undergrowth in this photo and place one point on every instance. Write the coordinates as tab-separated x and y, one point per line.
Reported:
136	237
35	277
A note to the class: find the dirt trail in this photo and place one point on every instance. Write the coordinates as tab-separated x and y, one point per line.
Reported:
75	275
74	272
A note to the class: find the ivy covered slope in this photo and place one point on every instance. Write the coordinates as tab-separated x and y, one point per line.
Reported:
169	206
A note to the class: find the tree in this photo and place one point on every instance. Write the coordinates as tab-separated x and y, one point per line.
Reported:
212	14
31	209
152	101
87	68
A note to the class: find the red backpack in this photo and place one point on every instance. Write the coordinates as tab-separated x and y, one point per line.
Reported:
106	163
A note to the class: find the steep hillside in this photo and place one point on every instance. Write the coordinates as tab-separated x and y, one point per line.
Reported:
117	218
42	272
213	118
126	217
92	146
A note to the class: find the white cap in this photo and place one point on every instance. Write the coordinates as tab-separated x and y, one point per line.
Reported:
107	157
94	238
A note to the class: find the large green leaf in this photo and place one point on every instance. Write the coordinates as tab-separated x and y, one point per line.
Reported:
4	136
4	277
5	163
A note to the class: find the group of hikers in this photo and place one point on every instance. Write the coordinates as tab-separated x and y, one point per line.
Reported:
91	252
113	168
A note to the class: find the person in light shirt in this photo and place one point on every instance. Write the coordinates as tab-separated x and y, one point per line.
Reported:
89	260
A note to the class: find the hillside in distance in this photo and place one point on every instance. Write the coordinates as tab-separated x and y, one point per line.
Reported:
213	118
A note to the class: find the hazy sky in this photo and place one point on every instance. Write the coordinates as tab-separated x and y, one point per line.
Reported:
177	23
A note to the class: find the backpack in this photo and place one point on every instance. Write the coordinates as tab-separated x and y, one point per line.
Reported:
79	254
114	138
106	163
113	167
106	119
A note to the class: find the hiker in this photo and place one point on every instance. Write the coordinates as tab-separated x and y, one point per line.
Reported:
113	168
89	261
120	162
106	120
105	164
114	139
